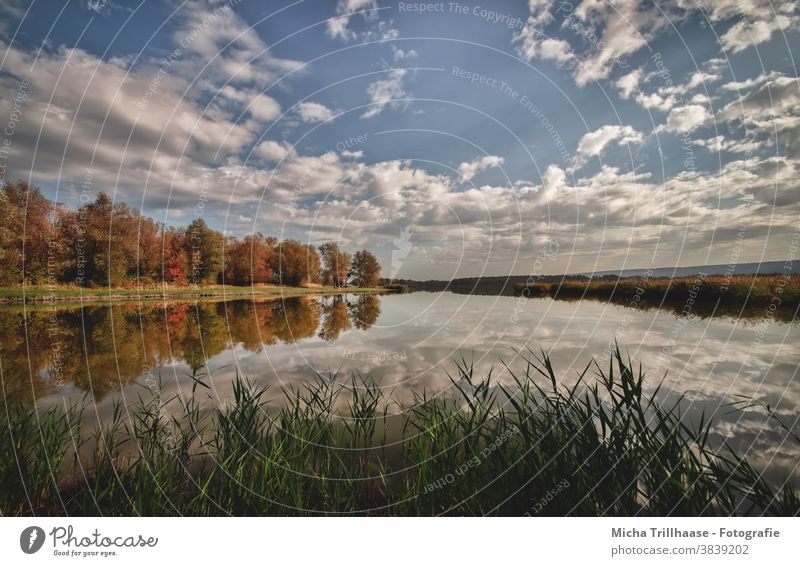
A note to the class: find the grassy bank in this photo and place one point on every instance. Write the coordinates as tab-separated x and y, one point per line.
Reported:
603	447
741	295
72	294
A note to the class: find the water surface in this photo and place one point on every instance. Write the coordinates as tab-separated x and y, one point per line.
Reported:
405	343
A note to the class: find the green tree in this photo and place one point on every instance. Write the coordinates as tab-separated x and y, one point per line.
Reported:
110	241
204	252
365	271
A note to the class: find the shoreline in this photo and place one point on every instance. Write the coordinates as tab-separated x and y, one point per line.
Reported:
62	295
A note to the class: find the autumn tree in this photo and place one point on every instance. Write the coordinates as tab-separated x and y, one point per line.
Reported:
70	255
296	264
204	251
336	319
111	244
365	271
295	318
334	264
174	259
27	234
148	256
365	310
249	261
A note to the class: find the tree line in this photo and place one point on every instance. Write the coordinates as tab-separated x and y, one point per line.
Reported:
107	243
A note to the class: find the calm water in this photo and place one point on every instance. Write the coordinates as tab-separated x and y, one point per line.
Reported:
405	343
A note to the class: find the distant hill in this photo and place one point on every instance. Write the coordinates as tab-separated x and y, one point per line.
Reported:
764	268
504	285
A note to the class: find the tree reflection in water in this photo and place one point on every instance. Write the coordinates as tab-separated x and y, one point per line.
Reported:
100	349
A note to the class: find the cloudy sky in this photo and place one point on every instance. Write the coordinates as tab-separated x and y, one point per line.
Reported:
454	139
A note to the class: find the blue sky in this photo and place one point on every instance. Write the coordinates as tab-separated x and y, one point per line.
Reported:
455	139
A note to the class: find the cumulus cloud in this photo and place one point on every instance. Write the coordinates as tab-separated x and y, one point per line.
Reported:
532	44
593	143
312	112
258	105
757	19
770	112
779	95
628	84
377	201
603	35
469	169
219	46
627	26
158	125
375	29
686	118
744	34
385	92
670	95
721	143
273	151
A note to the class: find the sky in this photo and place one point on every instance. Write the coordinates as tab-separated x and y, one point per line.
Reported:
453	139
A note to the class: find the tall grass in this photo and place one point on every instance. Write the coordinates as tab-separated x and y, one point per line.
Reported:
602	446
739	295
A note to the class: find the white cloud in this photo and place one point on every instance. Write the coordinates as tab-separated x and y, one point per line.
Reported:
469	169
264	107
606	34
156	128
628	84
593	143
670	95
743	85
273	151
770	113
532	44
685	118
540	11
701	78
627	25
745	34
385	92
400	54
159	126
219	46
757	19
377	201
345	9
554	181
260	106
312	112
338	27
779	95
721	143
656	101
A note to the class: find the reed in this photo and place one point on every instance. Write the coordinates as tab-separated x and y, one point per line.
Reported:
602	446
750	296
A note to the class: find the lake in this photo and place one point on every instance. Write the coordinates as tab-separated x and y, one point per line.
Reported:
405	343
